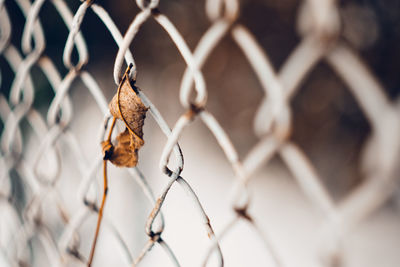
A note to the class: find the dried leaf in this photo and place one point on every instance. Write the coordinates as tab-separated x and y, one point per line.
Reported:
125	153
128	107
131	110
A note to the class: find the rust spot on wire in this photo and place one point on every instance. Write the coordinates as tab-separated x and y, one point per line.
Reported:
209	234
193	111
63	214
242	212
75	253
208	224
91	205
155	237
156	208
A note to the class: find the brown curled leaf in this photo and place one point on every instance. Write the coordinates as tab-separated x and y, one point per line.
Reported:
128	107
131	109
125	152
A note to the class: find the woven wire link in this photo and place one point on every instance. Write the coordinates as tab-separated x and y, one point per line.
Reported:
318	24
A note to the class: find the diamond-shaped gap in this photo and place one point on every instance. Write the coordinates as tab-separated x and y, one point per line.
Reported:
122	14
109	248
185	229
234	93
127	208
273	24
183	16
283	213
7	77
228	68
100	43
331	129
17	20
44	92
243	246
56	33
86	120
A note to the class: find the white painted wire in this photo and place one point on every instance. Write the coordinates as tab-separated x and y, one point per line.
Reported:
319	25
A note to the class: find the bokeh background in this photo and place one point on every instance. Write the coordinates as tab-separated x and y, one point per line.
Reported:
327	124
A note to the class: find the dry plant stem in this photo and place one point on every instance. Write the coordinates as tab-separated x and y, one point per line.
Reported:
103	201
111	129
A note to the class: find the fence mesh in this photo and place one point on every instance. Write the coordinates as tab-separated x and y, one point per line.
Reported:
51	185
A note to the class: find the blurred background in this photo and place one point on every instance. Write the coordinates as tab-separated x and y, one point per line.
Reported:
327	123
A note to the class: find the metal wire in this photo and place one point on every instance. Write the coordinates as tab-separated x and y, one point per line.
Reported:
319	25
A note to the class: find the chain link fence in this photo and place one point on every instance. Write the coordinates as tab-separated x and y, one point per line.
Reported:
50	164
